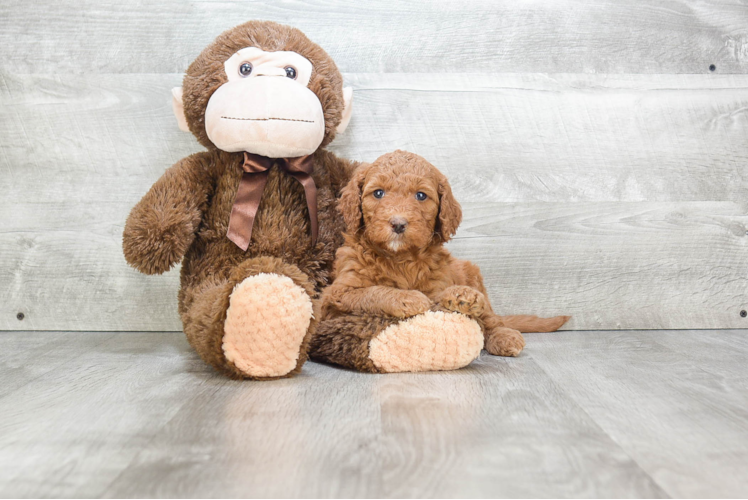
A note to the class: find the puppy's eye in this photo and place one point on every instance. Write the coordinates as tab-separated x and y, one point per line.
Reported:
379	193
420	196
245	69
290	72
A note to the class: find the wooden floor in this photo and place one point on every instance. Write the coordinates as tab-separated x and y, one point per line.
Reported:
579	414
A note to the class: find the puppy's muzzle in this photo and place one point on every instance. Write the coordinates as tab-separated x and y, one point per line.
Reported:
398	224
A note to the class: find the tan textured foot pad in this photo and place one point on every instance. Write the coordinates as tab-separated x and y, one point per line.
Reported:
431	341
266	322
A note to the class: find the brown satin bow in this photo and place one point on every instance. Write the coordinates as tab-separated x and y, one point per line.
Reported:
248	196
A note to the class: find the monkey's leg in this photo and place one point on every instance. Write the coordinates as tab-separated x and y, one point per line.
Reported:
255	325
431	341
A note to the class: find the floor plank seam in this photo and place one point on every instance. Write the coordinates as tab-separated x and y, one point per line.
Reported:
58	366
666	494
106	490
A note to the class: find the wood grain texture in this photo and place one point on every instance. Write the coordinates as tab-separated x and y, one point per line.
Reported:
70	431
563	137
617	199
447	435
27	357
646	388
499	428
664	36
499	137
138	415
622	265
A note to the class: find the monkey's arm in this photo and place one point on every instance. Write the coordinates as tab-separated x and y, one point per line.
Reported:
162	226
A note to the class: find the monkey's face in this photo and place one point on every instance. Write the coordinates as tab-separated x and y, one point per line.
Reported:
280	95
265	106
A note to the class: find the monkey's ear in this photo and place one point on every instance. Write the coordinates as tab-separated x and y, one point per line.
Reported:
178	107
348	100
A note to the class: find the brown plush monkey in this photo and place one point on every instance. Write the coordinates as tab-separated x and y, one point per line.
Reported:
253	217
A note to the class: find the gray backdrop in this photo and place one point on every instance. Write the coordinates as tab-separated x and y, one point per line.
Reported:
601	164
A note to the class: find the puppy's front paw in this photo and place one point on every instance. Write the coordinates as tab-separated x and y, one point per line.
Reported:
463	299
504	341
411	303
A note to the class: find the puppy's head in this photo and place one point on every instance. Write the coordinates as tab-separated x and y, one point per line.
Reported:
399	203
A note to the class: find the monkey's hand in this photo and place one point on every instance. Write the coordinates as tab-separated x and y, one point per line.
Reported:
162	226
462	299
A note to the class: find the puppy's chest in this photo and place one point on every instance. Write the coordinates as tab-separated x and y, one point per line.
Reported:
411	277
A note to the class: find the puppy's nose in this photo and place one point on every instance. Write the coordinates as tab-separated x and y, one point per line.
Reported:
398	224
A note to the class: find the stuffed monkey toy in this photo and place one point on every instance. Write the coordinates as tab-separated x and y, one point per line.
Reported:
253	218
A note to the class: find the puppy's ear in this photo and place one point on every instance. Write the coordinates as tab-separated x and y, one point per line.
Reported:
350	200
450	212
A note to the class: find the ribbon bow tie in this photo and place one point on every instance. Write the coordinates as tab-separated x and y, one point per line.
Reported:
248	196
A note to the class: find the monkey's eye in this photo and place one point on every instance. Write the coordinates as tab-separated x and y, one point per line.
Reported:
420	196
379	193
290	72
245	69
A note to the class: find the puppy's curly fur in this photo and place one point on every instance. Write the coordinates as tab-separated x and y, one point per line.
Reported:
399	211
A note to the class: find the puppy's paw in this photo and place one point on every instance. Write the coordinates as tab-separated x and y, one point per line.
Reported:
463	299
411	303
504	341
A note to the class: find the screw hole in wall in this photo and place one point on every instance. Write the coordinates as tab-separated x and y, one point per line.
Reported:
743	313
20	316
712	67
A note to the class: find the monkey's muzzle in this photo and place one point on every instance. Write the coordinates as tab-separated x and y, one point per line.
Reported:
267	115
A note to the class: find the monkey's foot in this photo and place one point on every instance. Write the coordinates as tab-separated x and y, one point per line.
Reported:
267	319
431	341
502	341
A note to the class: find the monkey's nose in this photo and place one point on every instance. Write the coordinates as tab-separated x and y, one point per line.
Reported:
269	71
398	224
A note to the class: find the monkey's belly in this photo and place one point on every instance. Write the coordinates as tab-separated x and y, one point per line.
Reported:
281	229
282	223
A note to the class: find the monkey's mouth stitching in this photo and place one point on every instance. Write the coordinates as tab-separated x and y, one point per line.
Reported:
267	119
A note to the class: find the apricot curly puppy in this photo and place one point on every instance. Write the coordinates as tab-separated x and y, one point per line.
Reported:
399	212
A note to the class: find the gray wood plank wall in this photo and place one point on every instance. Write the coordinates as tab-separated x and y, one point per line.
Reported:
600	162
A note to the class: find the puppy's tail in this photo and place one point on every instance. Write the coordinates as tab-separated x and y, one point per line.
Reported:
525	323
